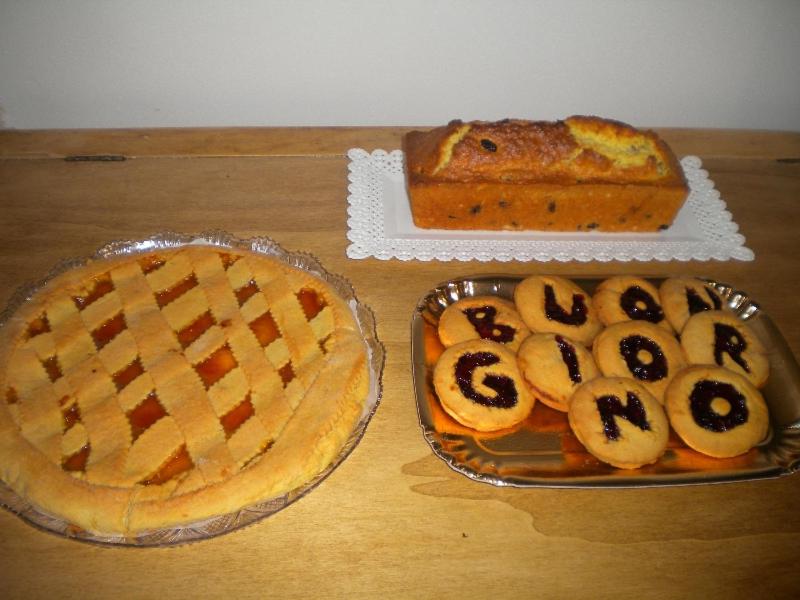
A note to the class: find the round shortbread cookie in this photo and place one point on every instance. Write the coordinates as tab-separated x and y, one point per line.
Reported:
642	351
479	384
482	317
555	366
619	422
625	298
722	339
557	305
682	297
716	411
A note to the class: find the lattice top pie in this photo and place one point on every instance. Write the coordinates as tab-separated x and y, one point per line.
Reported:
159	389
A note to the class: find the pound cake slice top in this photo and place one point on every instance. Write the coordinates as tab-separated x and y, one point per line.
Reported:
577	150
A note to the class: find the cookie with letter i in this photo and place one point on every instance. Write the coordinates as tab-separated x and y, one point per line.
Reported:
716	411
619	422
482	317
626	298
640	350
682	297
722	339
479	384
555	366
557	305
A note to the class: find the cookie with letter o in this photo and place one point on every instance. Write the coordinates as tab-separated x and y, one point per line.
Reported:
626	298
716	411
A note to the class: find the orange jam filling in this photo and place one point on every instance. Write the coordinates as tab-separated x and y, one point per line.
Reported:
124	376
77	461
235	417
108	330
38	326
244	293
311	302
71	415
175	465
227	259
147	412
11	396
195	329
166	296
52	367
150	263
216	366
265	329
287	373
102	286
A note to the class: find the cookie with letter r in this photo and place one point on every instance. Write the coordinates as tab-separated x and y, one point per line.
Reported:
619	422
722	339
626	298
641	351
478	383
482	317
557	305
682	297
554	366
716	411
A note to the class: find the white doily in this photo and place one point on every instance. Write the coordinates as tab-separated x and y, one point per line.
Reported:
380	225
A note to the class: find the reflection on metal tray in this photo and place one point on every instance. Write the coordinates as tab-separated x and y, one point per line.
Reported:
543	452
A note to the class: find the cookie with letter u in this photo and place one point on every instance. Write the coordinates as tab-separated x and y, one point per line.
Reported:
716	411
557	305
478	383
722	339
619	422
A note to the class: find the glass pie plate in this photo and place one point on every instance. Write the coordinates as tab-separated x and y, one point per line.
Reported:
543	452
211	527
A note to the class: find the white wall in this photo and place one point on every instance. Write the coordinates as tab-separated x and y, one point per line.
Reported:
129	63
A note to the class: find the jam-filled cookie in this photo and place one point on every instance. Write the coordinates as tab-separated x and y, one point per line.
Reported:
482	317
625	298
716	411
557	305
722	339
555	366
639	350
682	297
479	384
619	422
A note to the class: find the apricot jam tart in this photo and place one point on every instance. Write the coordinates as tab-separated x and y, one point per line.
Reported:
154	390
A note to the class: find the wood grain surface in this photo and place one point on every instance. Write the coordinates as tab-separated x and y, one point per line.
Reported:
393	520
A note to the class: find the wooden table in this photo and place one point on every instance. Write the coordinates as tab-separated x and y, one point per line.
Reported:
394	520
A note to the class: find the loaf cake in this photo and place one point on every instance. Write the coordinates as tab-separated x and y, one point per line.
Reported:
579	174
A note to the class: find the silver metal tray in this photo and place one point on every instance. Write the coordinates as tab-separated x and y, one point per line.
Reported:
543	452
215	526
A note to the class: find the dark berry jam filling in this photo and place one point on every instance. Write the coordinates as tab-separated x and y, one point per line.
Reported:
653	370
730	341
611	407
554	312
703	394
504	386
570	359
482	320
632	300
697	304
